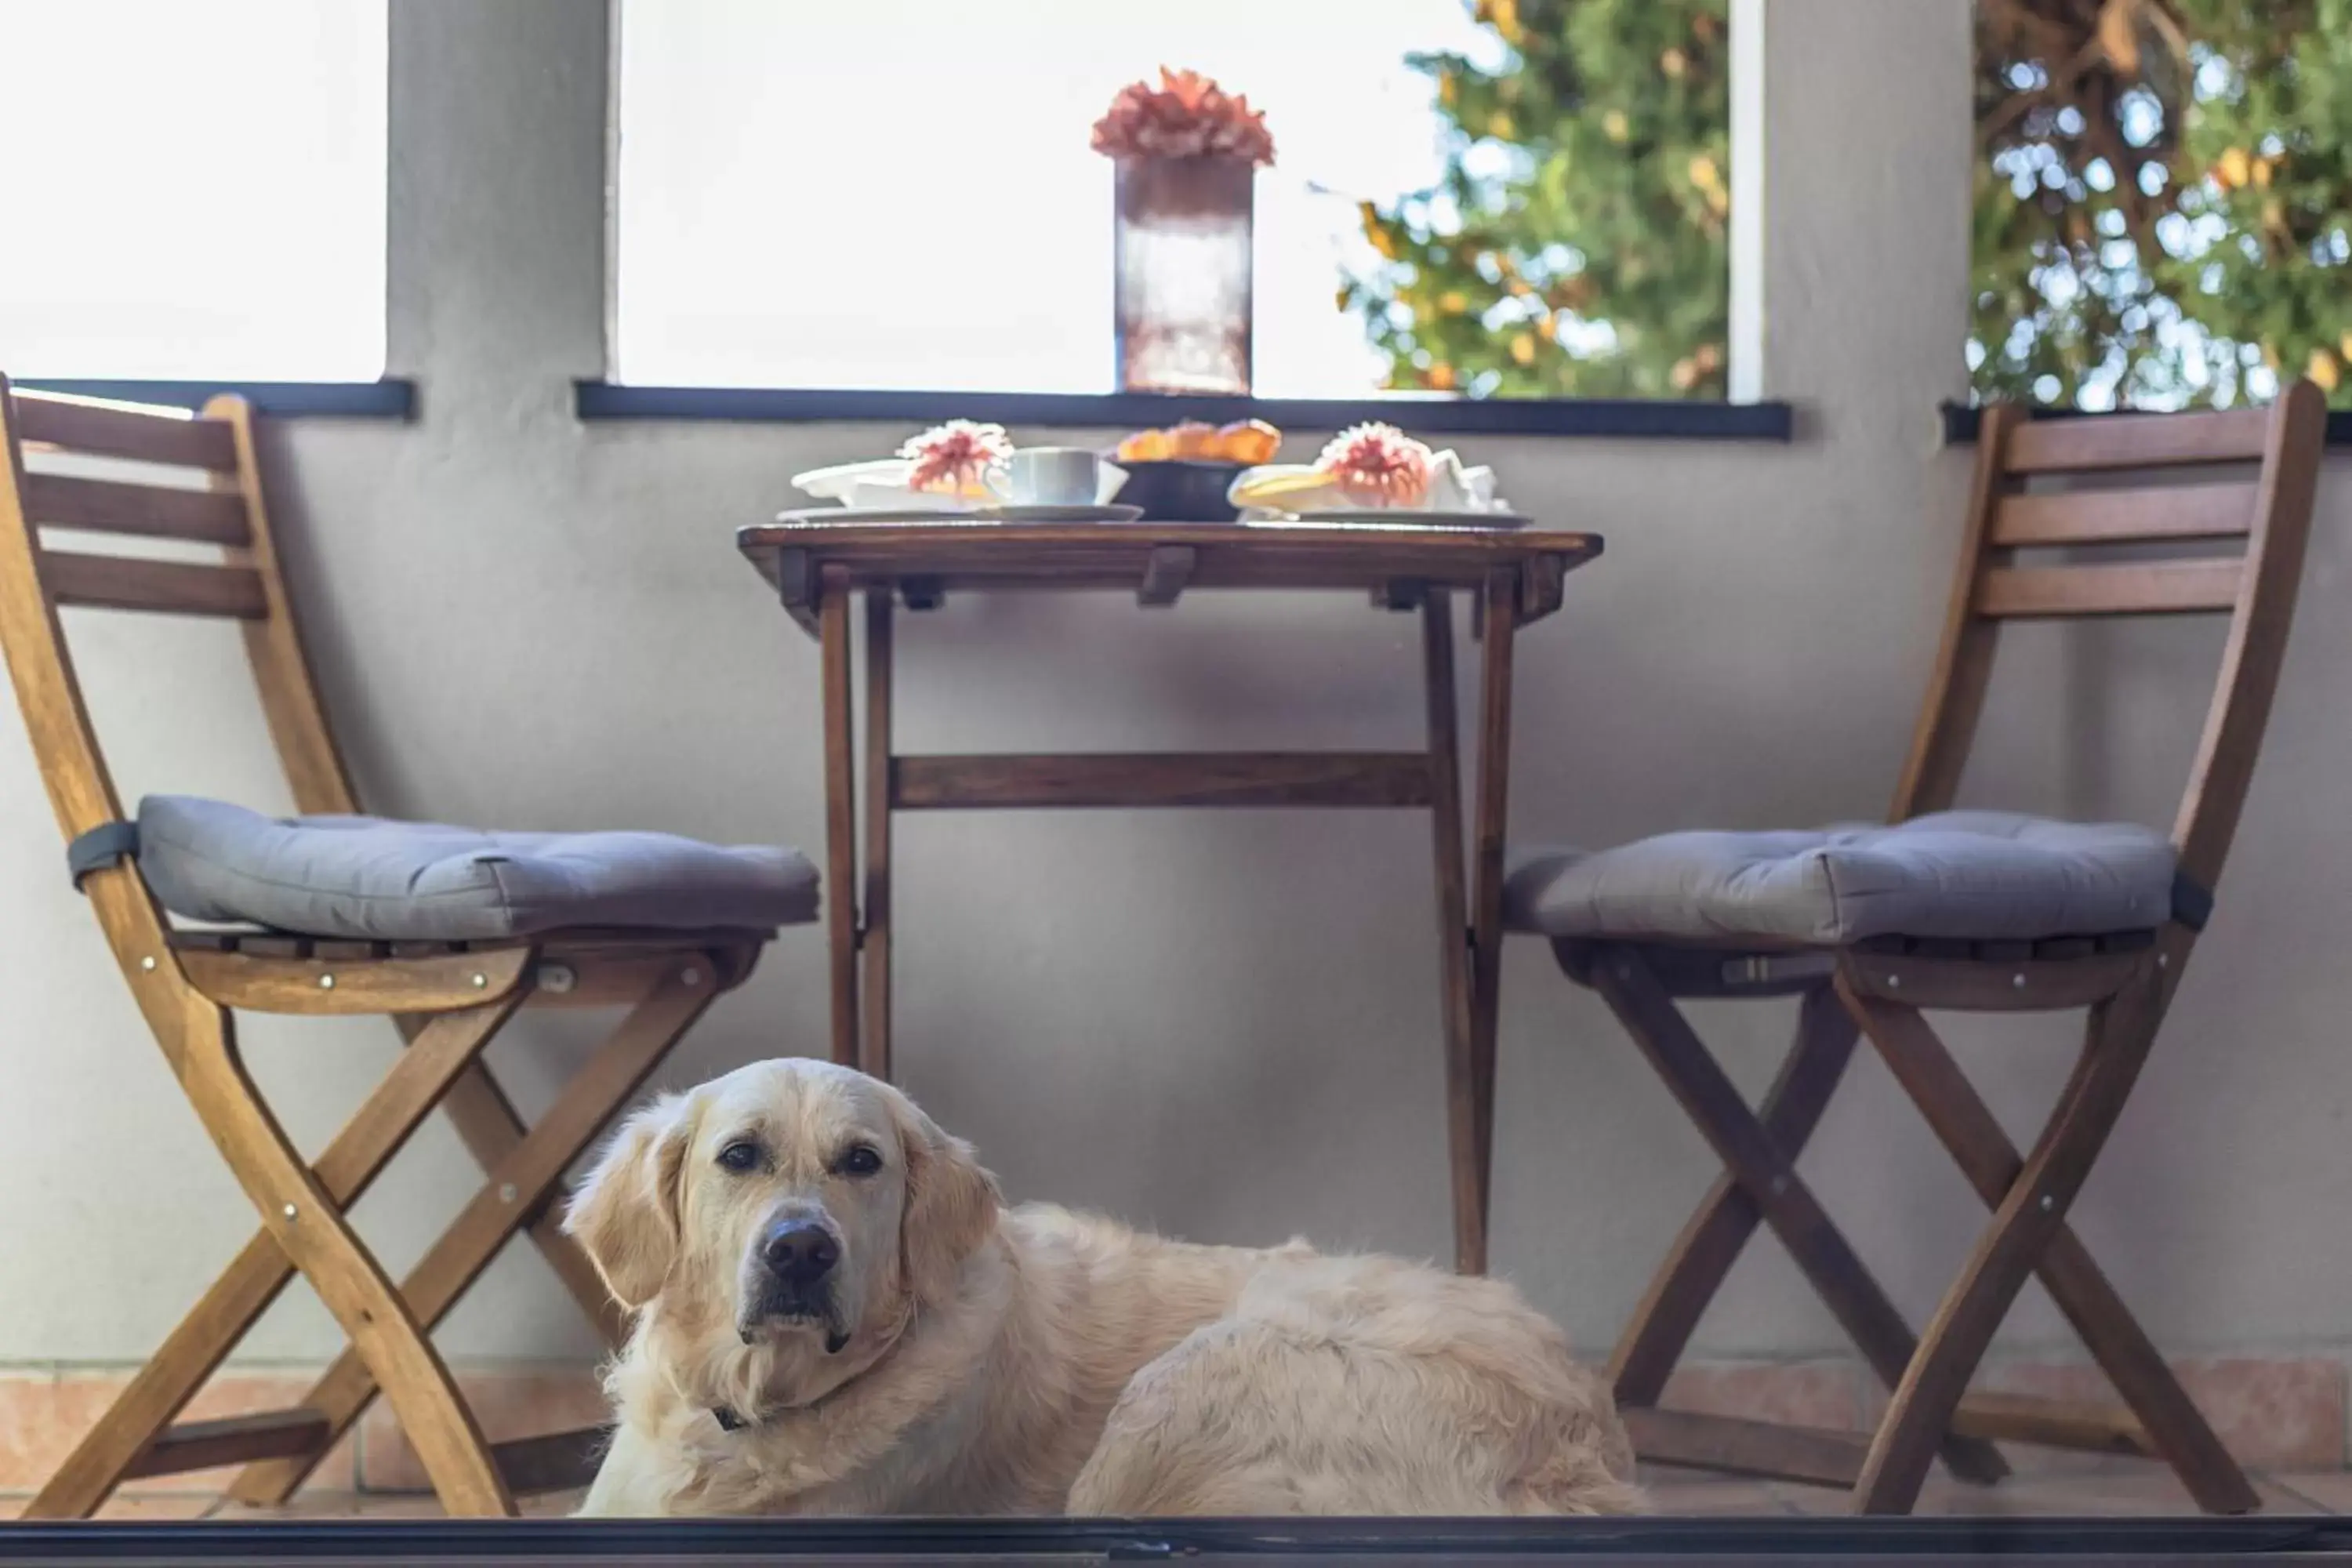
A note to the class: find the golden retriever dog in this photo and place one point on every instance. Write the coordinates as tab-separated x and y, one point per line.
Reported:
836	1314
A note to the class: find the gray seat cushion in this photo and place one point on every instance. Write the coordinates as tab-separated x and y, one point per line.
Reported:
1971	875
369	878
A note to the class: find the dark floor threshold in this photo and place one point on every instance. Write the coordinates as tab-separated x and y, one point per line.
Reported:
873	1544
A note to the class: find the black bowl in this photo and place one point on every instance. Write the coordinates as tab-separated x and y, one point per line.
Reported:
1181	490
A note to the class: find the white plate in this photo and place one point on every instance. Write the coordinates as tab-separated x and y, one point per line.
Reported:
1394	514
1060	514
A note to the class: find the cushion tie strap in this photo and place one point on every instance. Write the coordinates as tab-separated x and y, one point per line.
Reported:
2192	905
103	846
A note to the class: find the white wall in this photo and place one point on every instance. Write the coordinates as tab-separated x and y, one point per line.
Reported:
1220	1024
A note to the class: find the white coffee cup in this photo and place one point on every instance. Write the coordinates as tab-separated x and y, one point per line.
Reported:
1056	476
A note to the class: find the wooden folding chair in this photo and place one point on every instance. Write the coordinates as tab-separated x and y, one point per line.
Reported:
1968	912
448	998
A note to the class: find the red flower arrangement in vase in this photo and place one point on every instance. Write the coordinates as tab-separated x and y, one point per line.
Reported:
1187	155
1186	116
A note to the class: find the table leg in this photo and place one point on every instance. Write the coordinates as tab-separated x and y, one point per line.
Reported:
1453	931
1501	604
876	1057
840	817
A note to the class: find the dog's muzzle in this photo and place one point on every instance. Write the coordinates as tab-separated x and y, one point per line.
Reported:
796	1261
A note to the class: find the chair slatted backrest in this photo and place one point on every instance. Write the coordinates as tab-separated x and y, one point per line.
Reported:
2226	496
148	492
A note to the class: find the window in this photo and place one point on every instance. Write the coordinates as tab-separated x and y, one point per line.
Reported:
2161	206
1510	197
197	192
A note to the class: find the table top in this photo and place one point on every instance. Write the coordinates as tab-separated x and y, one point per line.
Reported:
802	559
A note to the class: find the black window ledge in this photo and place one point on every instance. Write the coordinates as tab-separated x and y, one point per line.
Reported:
1962	419
385	399
1615	417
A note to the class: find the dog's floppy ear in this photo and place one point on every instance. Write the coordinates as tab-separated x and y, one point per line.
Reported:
627	1213
951	1202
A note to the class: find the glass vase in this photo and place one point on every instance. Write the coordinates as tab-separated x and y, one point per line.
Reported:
1182	251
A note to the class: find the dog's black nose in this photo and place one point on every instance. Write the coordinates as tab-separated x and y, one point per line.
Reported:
800	1252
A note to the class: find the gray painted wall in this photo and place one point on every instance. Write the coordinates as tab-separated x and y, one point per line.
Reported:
1223	1024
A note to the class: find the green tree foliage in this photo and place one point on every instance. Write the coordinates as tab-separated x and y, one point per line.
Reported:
2161	199
2273	124
2163	204
1577	242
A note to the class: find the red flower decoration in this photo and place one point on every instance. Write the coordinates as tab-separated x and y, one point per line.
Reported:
954	456
1186	116
1378	465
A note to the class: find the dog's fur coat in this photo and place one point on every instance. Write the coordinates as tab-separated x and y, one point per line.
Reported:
1030	1360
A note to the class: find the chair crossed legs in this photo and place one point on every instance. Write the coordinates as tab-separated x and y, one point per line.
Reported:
449	1022
450	986
1965	911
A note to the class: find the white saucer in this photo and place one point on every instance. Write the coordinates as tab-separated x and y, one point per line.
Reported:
1415	519
1110	514
850	515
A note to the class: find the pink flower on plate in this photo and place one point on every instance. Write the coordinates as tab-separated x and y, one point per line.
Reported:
956	456
1378	465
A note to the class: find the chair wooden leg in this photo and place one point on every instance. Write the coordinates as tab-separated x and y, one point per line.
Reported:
2030	1215
1702	1257
162	1388
1453	931
521	1183
1769	1175
490	1128
306	1223
1967	1128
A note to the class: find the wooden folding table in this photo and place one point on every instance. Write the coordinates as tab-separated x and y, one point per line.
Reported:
1511	576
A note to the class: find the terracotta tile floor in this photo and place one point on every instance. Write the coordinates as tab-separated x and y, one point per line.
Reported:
2111	1493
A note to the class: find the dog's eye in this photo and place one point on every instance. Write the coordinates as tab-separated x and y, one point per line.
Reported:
861	1160
741	1155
